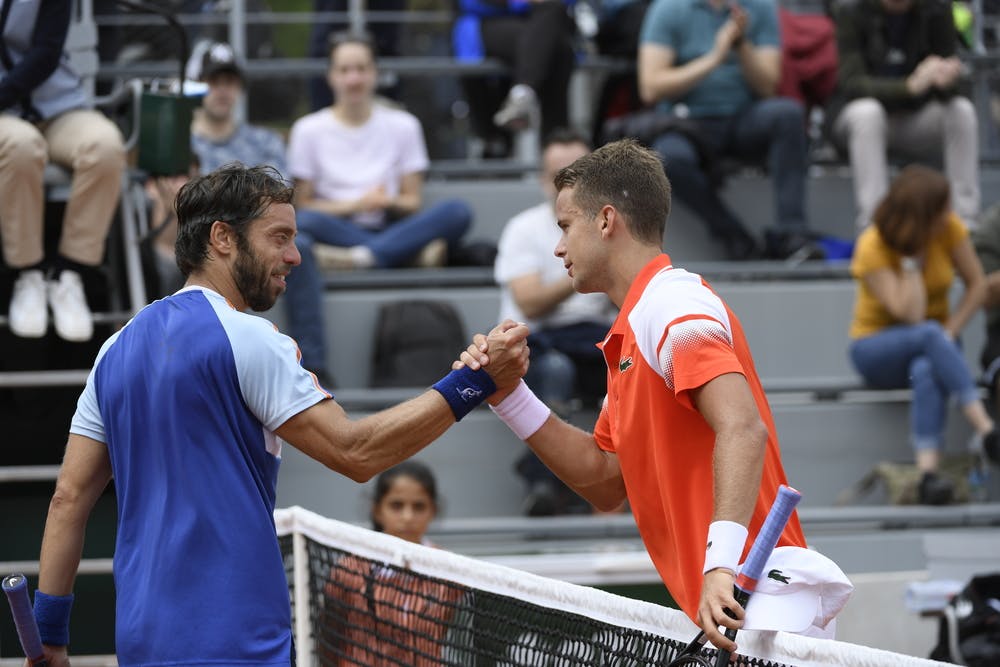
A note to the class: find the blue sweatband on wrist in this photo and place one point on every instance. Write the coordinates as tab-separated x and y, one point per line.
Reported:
464	389
52	616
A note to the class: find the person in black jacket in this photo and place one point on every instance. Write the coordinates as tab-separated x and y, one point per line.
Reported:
899	90
45	115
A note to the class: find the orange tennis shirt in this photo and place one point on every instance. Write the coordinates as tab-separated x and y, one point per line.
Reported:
674	334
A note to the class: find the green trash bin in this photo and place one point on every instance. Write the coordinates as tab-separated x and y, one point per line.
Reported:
165	133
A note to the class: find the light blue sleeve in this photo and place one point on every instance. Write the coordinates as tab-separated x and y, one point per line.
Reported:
87	420
658	24
275	386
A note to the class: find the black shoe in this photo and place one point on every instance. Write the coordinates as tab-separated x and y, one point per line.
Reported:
791	246
741	247
935	490
991	446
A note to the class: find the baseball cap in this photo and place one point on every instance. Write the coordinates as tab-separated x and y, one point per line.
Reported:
798	588
219	57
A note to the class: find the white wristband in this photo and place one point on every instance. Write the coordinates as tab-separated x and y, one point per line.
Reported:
522	411
725	546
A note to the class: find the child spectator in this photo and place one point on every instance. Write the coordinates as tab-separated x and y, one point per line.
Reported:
378	614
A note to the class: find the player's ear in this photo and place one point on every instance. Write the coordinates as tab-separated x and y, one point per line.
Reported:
222	237
607	220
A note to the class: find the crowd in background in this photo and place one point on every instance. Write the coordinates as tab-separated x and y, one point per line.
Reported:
714	84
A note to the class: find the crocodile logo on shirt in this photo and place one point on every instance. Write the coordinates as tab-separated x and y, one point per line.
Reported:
778	576
624	364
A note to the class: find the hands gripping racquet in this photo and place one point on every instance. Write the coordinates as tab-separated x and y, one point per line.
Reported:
746	582
16	588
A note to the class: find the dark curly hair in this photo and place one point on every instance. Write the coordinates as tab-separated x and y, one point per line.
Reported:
234	194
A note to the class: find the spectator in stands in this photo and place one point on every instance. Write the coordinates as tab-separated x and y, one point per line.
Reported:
986	239
898	90
715	67
377	614
358	168
385	35
903	332
46	116
217	135
535	39
566	326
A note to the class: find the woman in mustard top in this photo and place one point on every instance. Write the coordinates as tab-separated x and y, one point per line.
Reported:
903	332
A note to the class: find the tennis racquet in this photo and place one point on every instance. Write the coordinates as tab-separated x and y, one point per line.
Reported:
16	588
746	582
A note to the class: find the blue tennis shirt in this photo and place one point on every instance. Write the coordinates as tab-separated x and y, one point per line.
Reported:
187	397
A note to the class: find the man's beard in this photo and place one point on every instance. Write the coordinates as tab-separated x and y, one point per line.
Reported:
252	278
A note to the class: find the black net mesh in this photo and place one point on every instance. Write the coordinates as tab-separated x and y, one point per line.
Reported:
367	612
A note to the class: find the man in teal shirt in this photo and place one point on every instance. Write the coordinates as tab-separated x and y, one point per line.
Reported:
715	66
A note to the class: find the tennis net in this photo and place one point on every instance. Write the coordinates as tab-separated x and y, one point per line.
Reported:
364	598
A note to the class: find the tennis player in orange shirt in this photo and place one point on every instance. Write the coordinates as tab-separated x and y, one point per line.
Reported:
685	433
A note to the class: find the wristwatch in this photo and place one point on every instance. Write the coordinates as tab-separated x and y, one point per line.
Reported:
909	264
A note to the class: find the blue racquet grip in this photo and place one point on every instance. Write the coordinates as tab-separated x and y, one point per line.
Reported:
781	511
16	588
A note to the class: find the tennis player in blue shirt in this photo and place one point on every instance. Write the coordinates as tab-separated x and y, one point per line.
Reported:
186	408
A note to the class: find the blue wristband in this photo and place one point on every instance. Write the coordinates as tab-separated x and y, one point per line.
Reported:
52	616
464	389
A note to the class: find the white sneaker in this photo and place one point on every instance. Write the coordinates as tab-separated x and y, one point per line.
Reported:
520	109
432	255
28	317
333	257
70	312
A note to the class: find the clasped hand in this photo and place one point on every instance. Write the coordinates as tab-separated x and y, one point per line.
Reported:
503	353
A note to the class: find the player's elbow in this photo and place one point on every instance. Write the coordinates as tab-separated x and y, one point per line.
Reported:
756	431
358	468
608	503
749	434
68	504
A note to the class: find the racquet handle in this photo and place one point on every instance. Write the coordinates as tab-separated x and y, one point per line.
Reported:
781	511
16	588
746	582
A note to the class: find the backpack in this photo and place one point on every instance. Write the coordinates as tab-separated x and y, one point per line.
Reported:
969	632
808	57
416	343
902	479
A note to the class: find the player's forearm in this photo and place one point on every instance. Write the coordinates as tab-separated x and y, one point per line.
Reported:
738	464
573	455
62	548
384	439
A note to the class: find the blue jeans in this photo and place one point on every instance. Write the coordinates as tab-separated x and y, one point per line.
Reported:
392	246
921	357
772	127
